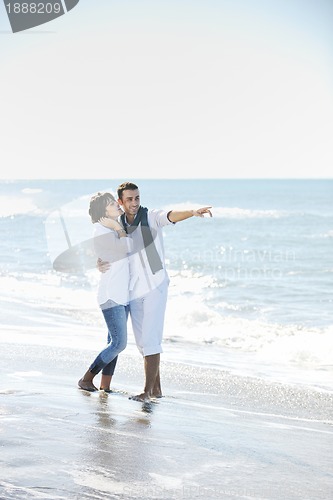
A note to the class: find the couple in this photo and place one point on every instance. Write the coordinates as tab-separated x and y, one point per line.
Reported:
134	280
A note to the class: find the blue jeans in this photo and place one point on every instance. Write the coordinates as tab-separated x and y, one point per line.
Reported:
116	320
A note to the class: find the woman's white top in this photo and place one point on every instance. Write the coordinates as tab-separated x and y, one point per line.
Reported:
114	284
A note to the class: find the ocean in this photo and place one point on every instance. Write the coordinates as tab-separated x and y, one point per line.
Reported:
251	289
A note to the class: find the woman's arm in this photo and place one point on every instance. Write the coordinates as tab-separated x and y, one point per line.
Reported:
115	225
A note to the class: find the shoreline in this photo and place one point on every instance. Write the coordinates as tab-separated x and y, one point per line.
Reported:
212	435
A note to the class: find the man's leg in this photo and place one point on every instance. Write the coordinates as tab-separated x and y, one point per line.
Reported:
147	316
157	390
151	366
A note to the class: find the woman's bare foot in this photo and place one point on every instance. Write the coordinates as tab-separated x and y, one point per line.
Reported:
105	383
86	385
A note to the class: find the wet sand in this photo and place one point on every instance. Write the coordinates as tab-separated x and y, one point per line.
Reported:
213	436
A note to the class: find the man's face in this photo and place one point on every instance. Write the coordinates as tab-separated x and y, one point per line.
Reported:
130	201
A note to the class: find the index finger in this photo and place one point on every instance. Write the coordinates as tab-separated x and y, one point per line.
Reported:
207	211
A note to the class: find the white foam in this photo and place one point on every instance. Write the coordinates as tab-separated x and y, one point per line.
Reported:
10	206
31	190
54	313
231	212
190	320
26	374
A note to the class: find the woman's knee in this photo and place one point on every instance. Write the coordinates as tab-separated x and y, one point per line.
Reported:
122	344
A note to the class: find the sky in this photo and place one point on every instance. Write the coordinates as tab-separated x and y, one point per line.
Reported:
170	89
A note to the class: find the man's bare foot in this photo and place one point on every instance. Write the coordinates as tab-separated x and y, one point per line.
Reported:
86	385
144	397
158	395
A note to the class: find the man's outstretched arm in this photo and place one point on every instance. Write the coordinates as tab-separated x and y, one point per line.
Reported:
179	215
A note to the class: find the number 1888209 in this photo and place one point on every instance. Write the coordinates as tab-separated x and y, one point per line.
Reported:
33	8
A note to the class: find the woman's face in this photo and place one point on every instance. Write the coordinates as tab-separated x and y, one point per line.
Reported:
112	209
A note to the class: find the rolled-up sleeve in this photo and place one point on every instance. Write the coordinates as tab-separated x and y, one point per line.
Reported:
159	218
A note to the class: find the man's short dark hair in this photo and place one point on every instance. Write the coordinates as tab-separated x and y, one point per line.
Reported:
126	185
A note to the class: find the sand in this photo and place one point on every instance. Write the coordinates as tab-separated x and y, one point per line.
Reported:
213	435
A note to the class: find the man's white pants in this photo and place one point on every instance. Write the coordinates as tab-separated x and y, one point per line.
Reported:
147	316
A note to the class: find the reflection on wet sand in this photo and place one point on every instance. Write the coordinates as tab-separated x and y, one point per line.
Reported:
119	441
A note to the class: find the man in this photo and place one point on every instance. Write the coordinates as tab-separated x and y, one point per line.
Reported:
149	294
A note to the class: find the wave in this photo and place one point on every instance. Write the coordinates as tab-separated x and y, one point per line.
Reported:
196	316
189	320
244	213
251	213
11	206
52	310
191	317
31	190
232	212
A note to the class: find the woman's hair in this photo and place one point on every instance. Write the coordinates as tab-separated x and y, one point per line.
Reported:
98	204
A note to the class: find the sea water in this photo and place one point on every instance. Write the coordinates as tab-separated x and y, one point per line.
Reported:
251	289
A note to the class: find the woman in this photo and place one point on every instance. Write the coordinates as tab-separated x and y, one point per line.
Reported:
111	243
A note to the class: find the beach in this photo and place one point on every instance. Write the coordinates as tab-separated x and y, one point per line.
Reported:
219	109
247	411
213	434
